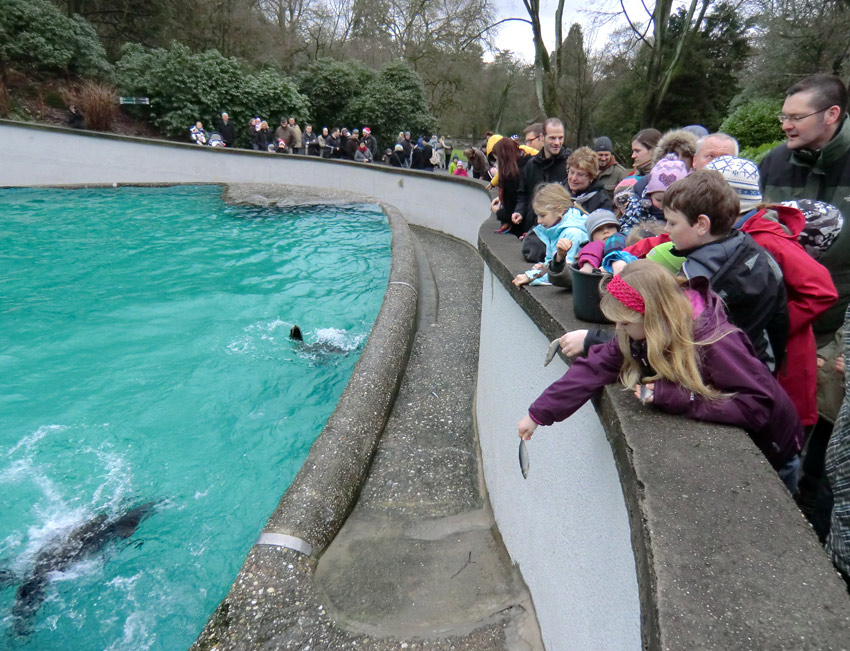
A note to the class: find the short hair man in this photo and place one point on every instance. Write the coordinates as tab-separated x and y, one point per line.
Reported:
534	135
814	163
227	130
549	166
297	136
712	146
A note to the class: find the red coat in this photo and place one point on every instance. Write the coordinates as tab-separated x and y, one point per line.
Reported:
810	292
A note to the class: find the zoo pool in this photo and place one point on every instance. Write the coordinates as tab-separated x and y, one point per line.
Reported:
145	358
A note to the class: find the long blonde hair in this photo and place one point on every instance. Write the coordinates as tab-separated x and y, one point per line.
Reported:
669	325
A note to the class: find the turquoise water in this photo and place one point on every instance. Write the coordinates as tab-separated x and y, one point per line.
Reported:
144	356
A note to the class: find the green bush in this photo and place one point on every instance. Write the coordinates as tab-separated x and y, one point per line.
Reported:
331	86
35	34
184	87
757	154
394	102
754	123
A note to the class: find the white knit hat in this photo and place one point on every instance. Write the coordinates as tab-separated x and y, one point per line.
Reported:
743	176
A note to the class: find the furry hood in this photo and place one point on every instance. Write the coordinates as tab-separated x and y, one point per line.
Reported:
679	142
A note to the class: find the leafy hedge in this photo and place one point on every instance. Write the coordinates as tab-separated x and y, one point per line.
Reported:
184	86
346	93
754	124
35	34
757	154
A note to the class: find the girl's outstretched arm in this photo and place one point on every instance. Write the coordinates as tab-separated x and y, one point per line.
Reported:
585	376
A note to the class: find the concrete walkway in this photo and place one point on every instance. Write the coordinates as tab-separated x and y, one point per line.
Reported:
419	563
418	559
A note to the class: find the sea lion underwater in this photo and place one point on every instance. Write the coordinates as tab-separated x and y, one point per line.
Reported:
320	347
82	543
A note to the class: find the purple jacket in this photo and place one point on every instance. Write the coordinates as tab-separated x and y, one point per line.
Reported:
759	405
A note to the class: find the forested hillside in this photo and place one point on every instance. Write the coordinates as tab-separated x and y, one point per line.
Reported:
421	65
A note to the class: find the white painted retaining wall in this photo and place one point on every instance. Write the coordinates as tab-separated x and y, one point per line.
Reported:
36	155
566	525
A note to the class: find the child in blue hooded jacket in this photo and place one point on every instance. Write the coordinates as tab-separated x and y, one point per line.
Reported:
558	219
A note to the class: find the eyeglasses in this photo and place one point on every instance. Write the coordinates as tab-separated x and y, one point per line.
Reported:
793	119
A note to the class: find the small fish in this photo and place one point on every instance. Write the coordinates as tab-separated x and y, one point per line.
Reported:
553	349
523	458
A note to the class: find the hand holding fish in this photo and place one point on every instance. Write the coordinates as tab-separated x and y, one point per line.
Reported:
644	392
572	343
526	428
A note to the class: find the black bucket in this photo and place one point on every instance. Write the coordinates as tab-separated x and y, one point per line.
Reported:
586	295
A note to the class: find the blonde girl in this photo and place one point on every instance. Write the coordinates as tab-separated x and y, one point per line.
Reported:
676	350
560	227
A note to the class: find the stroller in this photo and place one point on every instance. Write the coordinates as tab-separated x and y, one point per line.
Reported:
215	140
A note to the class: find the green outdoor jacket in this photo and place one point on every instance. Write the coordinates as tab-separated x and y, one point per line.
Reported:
822	175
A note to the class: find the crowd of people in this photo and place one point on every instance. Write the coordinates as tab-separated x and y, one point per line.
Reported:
728	282
424	153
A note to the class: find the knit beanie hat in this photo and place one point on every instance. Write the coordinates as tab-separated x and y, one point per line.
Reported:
697	129
666	172
743	176
662	254
603	143
600	217
399	148
491	142
823	224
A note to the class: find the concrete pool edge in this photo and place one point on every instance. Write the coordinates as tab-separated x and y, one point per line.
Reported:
318	501
316	504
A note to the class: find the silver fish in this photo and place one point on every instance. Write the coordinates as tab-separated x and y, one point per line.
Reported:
554	347
523	458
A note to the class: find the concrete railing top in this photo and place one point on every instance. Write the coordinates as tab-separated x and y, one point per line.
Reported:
725	560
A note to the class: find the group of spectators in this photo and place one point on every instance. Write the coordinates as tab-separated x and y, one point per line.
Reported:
753	328
425	153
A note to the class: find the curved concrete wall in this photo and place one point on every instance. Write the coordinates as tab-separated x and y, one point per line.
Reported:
566	526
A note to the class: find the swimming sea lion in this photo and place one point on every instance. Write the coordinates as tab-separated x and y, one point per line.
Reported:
83	542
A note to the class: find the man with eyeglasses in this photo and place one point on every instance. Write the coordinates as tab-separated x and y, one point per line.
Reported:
534	136
814	163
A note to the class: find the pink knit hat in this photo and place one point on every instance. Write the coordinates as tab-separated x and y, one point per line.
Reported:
666	172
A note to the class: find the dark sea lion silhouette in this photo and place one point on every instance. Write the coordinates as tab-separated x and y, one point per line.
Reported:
320	347
83	542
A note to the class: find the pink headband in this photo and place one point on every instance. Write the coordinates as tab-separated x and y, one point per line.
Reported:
626	294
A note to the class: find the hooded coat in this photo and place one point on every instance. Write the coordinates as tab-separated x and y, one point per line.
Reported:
757	404
810	292
570	227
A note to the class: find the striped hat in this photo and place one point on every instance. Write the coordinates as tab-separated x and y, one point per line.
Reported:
743	176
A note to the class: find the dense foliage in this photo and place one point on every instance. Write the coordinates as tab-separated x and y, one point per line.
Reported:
408	64
184	86
754	123
34	34
347	93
